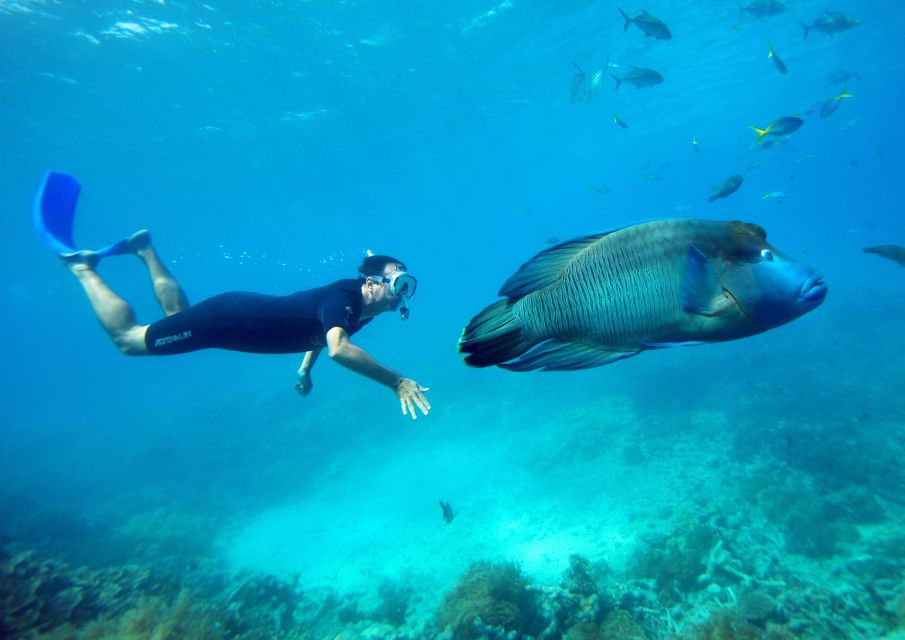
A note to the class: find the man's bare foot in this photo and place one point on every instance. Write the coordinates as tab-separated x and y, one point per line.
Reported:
139	240
80	260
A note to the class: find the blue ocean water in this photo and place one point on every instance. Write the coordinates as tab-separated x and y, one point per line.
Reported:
268	145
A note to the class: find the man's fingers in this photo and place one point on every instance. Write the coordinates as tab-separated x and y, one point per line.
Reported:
412	399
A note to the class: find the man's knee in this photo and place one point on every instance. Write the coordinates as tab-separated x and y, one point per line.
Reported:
132	341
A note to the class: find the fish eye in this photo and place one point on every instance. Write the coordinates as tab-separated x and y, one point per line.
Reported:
766	254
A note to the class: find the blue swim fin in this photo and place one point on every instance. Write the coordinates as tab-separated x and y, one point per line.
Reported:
53	214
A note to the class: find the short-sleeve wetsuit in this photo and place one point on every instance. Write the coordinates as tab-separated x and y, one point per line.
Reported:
259	323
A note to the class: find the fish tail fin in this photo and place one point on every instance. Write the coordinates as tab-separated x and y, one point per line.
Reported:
618	82
741	9
806	29
628	20
760	132
845	94
493	336
771	54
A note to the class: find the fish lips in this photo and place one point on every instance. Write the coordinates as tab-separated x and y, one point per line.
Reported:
813	290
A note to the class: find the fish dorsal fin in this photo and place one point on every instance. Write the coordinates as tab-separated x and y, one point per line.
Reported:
546	267
566	355
701	293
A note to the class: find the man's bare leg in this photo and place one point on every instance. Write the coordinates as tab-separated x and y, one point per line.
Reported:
114	313
169	294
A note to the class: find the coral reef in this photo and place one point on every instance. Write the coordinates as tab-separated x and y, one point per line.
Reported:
730	626
619	625
756	606
576	606
394	603
577	578
676	562
39	595
489	594
155	618
46	599
264	600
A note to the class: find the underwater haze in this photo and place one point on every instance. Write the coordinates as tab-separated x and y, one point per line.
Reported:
744	489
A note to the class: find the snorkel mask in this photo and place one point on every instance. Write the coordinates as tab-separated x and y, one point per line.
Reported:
403	285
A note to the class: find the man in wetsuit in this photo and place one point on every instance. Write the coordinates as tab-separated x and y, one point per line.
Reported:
307	321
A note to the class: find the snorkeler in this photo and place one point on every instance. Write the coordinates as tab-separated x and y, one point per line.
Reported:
307	321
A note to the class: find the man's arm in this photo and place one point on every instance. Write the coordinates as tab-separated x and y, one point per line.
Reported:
304	384
409	392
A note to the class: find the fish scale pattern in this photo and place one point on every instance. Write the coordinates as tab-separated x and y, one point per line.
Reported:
623	289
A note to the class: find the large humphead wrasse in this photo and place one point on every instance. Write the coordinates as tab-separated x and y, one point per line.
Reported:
594	300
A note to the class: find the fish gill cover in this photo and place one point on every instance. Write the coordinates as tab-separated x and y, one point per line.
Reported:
751	488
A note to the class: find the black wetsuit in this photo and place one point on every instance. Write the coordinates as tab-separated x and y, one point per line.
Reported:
260	323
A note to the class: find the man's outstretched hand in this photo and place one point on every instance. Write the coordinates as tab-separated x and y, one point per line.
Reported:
411	395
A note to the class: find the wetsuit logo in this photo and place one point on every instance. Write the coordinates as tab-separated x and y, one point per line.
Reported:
185	335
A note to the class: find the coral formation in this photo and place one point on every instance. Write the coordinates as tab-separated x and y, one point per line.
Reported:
584	631
394	602
619	625
39	595
677	562
493	594
154	618
729	626
577	578
49	600
755	606
260	600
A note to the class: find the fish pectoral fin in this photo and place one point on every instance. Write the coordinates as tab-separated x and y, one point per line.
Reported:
566	355
701	292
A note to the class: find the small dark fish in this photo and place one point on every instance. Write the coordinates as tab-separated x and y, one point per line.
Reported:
579	91
761	8
780	127
780	65
650	25
596	189
620	121
890	251
828	107
852	161
448	513
726	188
640	77
551	241
831	23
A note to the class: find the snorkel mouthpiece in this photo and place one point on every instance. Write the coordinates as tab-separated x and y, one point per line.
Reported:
404	310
